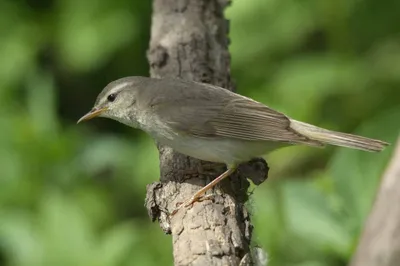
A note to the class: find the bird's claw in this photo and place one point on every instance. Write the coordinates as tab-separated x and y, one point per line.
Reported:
191	201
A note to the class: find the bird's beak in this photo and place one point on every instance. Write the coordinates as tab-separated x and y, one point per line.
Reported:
92	114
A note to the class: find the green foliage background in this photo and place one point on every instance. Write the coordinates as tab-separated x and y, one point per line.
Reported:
73	195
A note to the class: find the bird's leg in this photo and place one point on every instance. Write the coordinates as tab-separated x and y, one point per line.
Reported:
210	185
203	190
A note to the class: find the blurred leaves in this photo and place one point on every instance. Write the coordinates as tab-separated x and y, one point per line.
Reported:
357	175
103	28
20	41
307	61
326	214
73	195
63	236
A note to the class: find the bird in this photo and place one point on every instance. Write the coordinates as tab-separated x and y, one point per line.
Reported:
211	123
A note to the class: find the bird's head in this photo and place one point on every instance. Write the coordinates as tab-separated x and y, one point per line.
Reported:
117	101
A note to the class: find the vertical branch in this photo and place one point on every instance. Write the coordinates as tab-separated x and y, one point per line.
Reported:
380	241
189	41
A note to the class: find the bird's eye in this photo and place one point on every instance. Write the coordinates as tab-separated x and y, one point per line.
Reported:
111	97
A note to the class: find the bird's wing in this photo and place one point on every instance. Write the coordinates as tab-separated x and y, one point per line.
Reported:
235	117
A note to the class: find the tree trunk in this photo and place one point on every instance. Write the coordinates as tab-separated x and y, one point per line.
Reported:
380	241
189	40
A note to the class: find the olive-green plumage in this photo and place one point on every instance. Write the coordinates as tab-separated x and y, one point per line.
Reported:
175	111
211	123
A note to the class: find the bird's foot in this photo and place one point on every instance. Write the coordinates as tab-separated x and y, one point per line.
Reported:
191	201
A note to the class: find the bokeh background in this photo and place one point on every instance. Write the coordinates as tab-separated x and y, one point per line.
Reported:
73	194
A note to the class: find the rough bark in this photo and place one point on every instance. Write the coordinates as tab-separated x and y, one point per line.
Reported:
189	40
380	241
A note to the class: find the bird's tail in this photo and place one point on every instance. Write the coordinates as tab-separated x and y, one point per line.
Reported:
337	138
